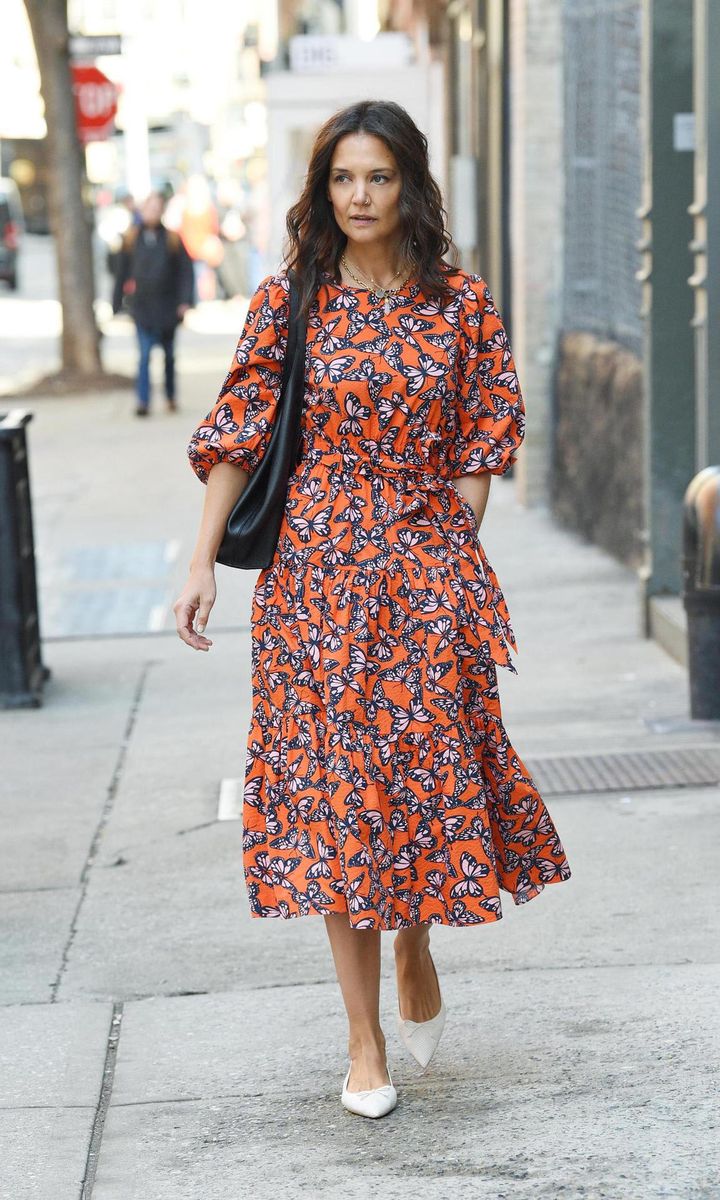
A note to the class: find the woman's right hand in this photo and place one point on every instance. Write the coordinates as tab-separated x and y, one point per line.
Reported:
196	598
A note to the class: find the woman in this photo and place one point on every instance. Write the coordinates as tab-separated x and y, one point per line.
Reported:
381	790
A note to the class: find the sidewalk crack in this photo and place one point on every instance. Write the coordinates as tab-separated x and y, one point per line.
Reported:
103	1104
102	822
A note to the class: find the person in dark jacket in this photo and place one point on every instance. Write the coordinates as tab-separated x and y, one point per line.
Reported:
154	279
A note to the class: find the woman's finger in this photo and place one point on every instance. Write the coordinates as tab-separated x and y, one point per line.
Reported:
184	613
203	614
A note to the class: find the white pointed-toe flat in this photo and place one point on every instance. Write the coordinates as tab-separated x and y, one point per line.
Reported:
421	1038
376	1102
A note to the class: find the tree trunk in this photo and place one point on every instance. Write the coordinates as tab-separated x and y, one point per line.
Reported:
68	223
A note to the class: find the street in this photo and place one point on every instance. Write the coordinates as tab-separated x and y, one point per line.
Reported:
156	1043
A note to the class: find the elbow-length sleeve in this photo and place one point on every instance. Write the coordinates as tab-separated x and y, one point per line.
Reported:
238	427
490	410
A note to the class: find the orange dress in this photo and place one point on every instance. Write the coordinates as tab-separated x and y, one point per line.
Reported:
380	780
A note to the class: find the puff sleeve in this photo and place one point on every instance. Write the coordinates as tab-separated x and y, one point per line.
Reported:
490	413
238	427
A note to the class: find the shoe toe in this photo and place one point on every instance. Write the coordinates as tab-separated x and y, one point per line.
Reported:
374	1104
421	1037
381	1102
422	1048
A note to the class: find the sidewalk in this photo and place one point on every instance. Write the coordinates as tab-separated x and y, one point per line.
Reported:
158	1044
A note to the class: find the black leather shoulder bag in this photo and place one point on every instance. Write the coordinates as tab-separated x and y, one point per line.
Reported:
251	536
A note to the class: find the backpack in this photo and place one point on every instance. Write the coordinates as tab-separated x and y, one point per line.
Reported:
130	237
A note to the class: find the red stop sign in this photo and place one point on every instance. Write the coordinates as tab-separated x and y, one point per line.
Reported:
95	102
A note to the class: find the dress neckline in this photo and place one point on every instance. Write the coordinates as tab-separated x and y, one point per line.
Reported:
348	287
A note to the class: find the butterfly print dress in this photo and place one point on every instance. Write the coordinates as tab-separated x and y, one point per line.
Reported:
379	779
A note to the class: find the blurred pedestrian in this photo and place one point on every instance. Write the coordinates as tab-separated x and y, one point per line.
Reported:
199	230
154	278
232	272
113	224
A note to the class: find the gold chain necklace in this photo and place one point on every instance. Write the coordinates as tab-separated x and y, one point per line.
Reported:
380	293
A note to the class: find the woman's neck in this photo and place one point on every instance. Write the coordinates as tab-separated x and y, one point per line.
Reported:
380	265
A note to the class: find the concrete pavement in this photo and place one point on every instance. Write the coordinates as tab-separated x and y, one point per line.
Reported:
158	1044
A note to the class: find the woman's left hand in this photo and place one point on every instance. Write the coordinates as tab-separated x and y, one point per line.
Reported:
475	490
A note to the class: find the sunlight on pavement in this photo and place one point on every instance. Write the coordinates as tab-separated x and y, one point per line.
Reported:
29	319
105	590
37	319
217	316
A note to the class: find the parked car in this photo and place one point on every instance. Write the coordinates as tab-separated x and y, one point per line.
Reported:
12	227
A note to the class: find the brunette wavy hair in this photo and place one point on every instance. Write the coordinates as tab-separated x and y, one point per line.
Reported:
315	238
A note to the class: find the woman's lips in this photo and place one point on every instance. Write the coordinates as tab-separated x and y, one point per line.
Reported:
363	220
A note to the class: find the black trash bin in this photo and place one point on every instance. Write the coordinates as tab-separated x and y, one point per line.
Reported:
21	670
701	591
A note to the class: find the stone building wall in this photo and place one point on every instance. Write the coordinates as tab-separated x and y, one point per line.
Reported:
536	224
597	473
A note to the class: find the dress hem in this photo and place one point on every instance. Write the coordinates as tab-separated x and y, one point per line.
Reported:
519	899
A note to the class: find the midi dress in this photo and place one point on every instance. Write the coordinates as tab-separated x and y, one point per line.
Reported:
380	781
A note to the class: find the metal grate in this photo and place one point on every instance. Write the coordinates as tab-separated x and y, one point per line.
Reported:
579	774
636	771
603	168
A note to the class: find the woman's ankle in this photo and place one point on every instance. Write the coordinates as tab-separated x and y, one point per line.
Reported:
367	1043
368	1061
411	945
418	988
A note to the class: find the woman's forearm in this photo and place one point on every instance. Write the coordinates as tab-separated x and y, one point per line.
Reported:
225	485
476	489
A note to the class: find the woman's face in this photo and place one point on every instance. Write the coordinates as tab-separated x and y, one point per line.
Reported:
364	182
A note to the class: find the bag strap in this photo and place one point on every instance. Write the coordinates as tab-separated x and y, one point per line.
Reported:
293	380
291	347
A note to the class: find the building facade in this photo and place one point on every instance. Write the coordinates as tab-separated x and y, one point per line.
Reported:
595	155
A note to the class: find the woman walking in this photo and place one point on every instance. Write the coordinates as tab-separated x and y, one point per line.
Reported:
381	790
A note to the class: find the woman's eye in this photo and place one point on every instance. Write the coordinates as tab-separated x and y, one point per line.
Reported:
341	178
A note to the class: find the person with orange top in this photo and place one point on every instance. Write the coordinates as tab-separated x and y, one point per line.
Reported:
381	790
199	228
